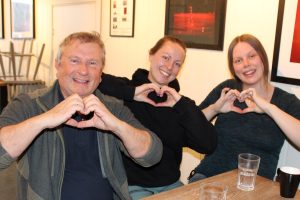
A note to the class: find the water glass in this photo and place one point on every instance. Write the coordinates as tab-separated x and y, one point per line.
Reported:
248	165
213	191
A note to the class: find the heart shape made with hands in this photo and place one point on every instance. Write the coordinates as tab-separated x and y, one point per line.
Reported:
244	102
157	99
81	117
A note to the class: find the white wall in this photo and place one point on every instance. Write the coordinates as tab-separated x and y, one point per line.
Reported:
203	69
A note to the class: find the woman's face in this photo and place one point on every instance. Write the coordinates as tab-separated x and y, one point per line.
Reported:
165	63
247	64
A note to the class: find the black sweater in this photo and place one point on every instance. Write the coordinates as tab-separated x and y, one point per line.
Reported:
184	125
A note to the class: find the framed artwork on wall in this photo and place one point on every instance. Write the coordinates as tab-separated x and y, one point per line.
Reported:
200	24
1	20
122	18
286	55
22	19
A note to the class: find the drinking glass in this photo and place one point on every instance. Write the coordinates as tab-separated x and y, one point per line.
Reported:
213	191
248	165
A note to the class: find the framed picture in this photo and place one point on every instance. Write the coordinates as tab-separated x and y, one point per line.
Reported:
122	18
22	19
200	24
1	20
286	55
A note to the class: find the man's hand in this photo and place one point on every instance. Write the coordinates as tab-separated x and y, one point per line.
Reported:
102	118
63	112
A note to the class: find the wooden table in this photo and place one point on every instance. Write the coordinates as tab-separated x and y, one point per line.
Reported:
265	189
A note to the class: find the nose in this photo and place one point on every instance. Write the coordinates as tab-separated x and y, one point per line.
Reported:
246	62
83	69
169	65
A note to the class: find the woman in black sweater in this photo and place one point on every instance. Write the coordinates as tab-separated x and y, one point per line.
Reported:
153	98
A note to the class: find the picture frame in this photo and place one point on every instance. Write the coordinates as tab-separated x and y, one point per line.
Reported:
1	20
122	18
283	69
22	19
200	24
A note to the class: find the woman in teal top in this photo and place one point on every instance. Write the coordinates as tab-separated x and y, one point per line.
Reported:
252	116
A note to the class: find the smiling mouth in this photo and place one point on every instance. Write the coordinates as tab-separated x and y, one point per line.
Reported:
164	73
249	73
80	81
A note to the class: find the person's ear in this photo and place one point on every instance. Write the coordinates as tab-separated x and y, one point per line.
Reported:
150	58
57	64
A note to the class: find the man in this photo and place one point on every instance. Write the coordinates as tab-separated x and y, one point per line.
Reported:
68	139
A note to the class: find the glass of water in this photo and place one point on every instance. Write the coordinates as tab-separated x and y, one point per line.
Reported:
213	191
248	165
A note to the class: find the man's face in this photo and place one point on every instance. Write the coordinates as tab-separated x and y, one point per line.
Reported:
80	68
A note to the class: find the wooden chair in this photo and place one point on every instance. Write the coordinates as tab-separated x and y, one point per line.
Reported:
7	54
28	55
2	67
17	82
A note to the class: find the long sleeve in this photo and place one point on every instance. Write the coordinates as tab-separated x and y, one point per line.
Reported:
200	133
154	152
118	87
14	113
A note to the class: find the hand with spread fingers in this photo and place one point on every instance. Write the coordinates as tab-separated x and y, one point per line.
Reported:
142	92
62	112
102	118
226	101
172	96
253	101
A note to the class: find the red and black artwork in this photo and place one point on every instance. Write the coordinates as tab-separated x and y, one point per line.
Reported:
200	23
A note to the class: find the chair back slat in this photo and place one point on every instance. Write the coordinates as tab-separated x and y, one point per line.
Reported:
21	57
38	62
29	59
13	60
2	67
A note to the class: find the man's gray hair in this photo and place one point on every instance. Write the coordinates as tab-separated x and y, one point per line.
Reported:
83	37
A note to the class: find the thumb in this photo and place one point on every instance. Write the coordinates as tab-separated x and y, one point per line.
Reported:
71	122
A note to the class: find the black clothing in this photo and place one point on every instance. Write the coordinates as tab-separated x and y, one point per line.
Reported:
184	125
82	176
